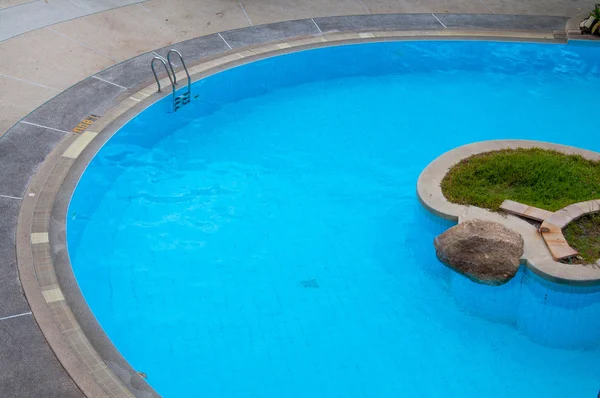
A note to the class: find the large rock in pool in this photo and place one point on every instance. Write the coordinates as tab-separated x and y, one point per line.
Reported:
485	251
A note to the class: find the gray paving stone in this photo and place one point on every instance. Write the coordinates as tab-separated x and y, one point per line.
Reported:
272	32
11	294
495	21
28	367
129	73
198	48
66	110
22	149
377	22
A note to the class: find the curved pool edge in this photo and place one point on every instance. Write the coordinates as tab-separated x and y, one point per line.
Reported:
59	308
536	257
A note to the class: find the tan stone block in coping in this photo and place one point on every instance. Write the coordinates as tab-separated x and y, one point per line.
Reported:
139	96
245	53
406	33
79	144
305	42
148	91
341	36
52	295
215	63
39	237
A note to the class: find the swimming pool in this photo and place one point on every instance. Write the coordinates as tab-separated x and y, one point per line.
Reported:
266	240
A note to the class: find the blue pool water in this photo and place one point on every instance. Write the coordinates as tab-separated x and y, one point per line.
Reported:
266	240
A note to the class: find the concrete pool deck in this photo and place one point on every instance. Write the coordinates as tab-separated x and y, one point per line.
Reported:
40	64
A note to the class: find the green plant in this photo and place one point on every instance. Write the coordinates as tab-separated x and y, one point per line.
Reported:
596	12
536	177
596	24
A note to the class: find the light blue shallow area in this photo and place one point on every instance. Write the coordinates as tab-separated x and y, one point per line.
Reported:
266	240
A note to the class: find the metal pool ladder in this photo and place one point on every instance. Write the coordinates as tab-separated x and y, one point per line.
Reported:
185	98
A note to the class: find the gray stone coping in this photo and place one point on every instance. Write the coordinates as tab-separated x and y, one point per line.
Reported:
44	155
536	256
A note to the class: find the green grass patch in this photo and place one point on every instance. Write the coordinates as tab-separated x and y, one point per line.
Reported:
584	236
537	177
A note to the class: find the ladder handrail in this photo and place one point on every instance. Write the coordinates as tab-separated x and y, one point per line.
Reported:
186	97
184	67
162	60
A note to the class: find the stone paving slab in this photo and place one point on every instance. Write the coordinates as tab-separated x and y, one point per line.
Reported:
66	110
378	22
129	73
133	72
22	150
273	32
195	49
517	22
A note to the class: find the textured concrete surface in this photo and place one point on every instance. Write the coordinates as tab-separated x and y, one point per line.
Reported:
28	367
11	294
66	110
22	150
197	48
272	32
378	22
516	22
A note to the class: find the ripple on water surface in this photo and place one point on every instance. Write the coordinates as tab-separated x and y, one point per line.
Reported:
266	241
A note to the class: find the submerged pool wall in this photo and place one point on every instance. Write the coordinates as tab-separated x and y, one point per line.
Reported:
549	313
